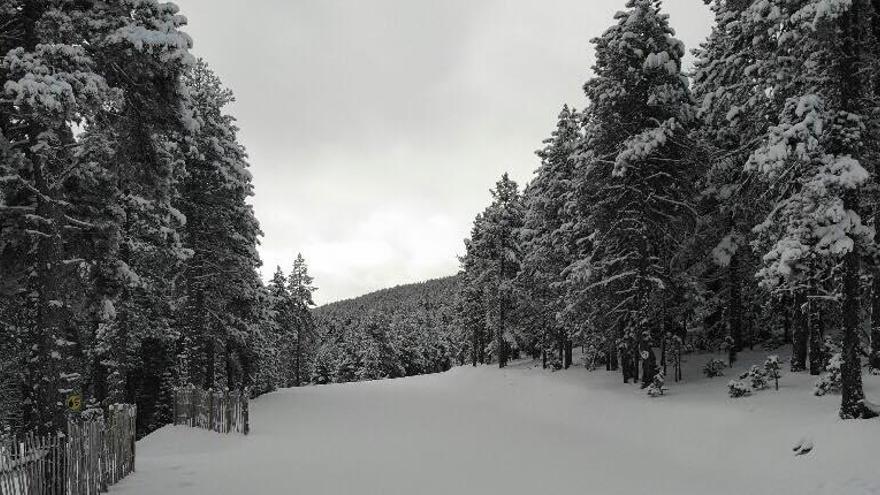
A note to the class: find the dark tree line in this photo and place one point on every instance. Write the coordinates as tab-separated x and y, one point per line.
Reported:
736	203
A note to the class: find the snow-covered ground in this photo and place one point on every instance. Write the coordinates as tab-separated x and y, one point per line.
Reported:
523	430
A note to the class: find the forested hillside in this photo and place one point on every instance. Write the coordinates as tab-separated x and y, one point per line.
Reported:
402	331
732	206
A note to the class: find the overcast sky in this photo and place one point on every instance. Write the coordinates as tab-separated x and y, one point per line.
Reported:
375	128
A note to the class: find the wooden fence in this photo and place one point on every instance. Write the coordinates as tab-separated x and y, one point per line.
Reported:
221	411
95	454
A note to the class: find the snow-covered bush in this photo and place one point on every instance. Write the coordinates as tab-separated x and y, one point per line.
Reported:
656	387
773	370
830	380
715	367
738	388
756	376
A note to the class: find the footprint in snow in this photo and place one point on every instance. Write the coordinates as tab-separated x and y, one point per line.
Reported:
803	447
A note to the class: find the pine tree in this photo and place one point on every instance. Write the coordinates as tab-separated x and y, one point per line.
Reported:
36	206
300	288
76	206
220	280
492	263
728	82
635	180
813	158
544	238
273	359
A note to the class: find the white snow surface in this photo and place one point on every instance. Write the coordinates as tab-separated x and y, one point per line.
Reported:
524	430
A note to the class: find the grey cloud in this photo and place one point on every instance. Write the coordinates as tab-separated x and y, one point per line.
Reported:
376	127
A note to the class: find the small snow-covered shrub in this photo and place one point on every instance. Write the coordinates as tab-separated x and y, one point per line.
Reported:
830	380
773	370
738	388
656	388
592	357
757	377
715	367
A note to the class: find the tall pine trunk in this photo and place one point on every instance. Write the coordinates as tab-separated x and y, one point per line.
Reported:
734	313
800	334
817	336
569	351
875	316
852	394
851	69
297	359
875	307
649	366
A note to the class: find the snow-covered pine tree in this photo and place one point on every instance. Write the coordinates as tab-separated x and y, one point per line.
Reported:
635	180
492	260
144	56
69	66
271	352
812	161
735	108
51	83
544	240
300	289
470	309
221	308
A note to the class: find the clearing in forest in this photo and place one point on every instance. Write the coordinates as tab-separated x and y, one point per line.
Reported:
524	430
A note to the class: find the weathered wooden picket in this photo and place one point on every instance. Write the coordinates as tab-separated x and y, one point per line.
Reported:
95	454
221	411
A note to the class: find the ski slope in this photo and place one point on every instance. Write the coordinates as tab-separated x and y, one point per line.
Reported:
523	430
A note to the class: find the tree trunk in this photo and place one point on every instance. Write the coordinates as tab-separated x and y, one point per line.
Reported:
800	335
852	66
568	353
734	313
560	349
874	360
786	322
875	313
852	394
612	357
678	344
649	367
297	371
663	352
817	337
474	344
209	363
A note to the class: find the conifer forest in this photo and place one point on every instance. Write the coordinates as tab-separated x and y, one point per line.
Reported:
704	211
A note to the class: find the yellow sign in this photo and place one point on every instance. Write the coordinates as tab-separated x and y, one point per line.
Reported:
74	402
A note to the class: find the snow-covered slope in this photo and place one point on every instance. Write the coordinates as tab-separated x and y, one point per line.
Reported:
523	430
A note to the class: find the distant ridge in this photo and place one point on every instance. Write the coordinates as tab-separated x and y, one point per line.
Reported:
428	288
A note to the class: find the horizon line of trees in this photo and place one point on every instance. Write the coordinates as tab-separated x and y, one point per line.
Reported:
740	203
